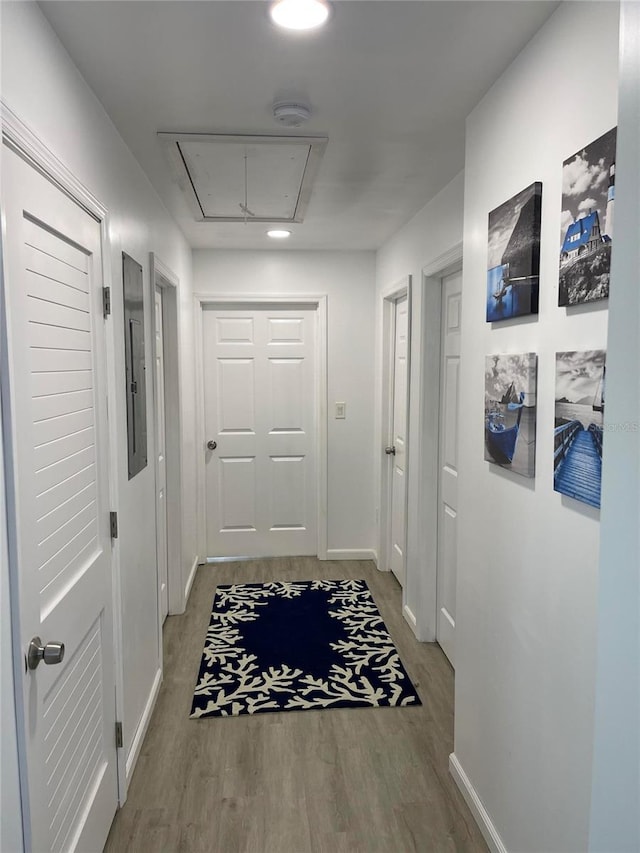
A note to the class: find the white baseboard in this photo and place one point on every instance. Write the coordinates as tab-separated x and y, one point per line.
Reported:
411	619
352	554
474	802
141	731
190	580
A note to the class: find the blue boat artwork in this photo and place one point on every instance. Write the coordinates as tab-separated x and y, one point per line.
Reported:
579	415
501	439
510	407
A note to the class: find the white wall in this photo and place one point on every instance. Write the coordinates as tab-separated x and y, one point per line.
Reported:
528	557
41	85
432	232
615	805
348	280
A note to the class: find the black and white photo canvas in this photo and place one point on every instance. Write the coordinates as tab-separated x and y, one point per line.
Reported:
579	415
513	273
586	229
510	411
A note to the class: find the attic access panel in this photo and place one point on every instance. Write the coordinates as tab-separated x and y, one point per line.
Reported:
210	169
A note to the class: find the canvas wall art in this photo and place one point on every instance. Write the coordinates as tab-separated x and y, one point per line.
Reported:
586	231
510	411
579	415
514	256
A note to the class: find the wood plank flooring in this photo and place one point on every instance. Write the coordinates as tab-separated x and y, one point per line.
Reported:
356	780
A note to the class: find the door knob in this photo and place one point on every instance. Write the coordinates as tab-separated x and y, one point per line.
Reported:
212	445
390	451
49	653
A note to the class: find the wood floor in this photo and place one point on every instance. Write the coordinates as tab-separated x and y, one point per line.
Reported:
331	781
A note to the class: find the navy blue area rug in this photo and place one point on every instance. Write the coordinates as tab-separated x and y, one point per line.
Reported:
298	646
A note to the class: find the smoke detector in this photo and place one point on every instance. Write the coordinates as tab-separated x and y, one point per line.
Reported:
291	114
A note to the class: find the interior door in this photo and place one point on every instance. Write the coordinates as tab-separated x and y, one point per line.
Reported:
161	463
398	453
448	468
59	493
261	426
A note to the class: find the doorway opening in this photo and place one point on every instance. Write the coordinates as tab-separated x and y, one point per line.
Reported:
168	471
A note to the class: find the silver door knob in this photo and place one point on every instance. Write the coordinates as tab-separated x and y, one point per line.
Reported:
211	445
390	451
50	653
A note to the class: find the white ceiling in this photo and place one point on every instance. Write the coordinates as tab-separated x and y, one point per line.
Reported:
390	82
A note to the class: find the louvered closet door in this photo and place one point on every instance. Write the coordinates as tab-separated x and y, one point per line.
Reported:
59	446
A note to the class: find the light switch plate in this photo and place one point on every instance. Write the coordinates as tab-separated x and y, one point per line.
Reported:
341	411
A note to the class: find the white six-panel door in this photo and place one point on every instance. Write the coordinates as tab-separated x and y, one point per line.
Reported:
261	413
399	440
448	468
161	462
59	455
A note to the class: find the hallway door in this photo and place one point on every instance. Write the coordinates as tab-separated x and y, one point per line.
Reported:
59	508
260	390
398	455
161	462
448	466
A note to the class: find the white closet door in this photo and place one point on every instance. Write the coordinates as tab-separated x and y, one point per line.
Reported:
59	455
261	414
399	433
448	485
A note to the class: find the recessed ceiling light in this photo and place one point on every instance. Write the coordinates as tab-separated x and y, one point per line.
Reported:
299	14
277	234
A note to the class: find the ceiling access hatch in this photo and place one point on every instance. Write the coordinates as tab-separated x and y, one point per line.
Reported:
241	178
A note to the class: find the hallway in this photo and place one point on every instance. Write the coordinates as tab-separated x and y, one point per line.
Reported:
335	780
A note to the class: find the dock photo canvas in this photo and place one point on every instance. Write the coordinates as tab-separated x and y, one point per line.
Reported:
510	411
579	415
586	228
513	274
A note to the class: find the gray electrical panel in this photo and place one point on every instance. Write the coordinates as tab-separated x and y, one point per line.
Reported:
135	366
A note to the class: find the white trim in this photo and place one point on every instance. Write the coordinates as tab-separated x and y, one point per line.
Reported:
264	300
480	814
410	618
143	726
166	279
447	262
190	580
31	148
29	145
351	554
390	295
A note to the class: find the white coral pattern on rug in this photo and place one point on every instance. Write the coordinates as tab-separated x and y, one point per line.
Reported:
237	685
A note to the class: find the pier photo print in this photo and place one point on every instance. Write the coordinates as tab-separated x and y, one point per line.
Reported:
586	230
510	411
513	274
579	414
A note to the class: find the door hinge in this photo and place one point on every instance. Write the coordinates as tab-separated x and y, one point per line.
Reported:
113	524
119	741
106	301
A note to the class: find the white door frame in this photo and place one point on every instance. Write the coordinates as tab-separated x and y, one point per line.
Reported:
390	295
228	302
422	556
164	278
30	147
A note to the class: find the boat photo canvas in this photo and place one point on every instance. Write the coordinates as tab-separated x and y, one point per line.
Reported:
513	274
510	384
586	229
579	416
